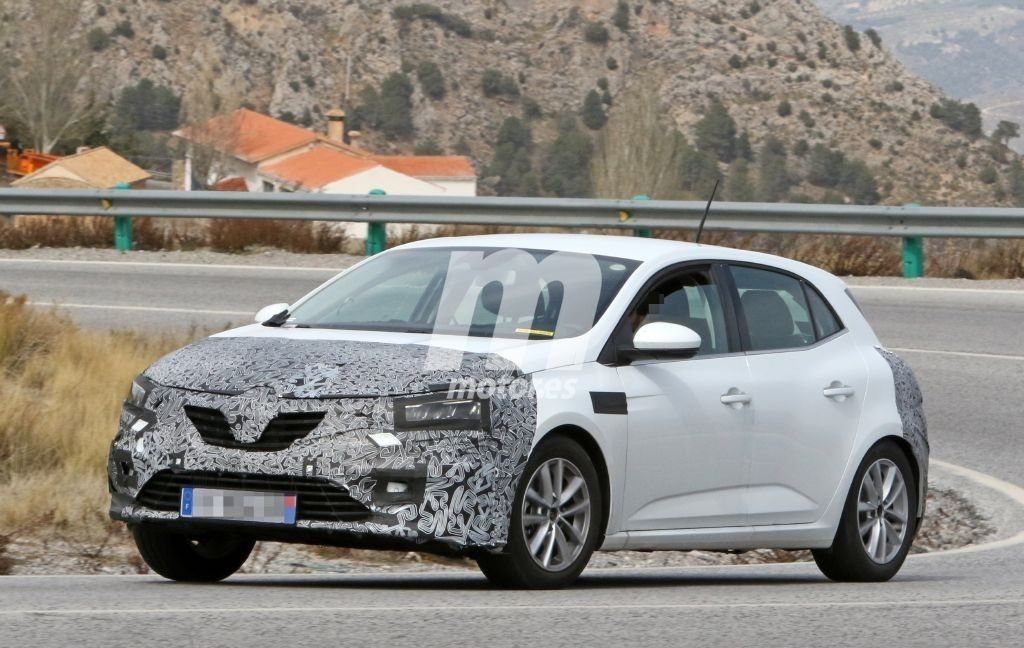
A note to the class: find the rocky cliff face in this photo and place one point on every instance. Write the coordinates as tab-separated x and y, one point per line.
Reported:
971	48
285	56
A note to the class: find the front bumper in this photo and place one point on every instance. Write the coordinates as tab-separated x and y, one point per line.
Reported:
458	484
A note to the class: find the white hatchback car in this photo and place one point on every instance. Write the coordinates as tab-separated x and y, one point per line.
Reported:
526	400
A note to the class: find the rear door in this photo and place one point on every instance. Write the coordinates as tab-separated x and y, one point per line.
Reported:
807	382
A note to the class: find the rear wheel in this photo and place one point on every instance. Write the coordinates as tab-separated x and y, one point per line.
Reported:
879	520
556	520
195	559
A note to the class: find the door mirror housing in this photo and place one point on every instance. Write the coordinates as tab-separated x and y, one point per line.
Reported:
265	313
663	339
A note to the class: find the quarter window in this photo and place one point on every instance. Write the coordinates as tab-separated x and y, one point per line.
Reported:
774	309
825	322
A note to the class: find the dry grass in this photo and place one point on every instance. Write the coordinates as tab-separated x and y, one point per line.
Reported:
60	393
842	255
223	235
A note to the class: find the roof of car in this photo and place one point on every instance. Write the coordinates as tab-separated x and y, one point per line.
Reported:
625	247
649	250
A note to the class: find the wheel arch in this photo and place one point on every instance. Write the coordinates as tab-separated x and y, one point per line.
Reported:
593	449
908	450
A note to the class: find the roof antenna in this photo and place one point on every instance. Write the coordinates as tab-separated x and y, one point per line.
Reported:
707	210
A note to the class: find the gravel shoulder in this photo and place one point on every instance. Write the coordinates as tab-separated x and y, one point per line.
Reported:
953	521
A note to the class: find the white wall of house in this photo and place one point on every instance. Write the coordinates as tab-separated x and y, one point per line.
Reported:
455	187
380	177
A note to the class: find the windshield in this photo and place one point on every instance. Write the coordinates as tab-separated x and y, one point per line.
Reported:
484	292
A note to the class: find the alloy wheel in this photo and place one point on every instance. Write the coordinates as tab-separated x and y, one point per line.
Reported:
556	514
882	511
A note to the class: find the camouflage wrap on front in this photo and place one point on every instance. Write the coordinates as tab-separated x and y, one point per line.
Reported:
471	474
910	405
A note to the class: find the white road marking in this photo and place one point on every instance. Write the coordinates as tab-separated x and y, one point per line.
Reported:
990	291
144	309
1012	491
171	264
961	354
533	608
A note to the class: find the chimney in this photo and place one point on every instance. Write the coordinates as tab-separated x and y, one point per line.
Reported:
336	125
353	138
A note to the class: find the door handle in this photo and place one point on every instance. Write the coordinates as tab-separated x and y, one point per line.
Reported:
735	399
838	391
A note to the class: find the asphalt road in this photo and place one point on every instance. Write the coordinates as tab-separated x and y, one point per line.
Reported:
967	348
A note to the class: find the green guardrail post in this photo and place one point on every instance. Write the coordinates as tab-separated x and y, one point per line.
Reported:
122	226
642	232
913	254
376	233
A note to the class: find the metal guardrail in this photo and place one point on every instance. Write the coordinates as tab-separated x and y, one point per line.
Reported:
910	223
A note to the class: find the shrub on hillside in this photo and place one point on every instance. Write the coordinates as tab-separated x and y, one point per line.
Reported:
496	84
431	79
959	116
621	17
425	11
596	33
97	39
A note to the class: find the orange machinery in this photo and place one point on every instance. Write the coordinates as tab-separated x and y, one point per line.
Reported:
20	162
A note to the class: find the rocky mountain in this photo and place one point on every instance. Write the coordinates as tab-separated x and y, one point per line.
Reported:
973	49
812	105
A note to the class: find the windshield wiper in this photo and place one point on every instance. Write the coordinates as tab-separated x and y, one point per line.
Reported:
278	320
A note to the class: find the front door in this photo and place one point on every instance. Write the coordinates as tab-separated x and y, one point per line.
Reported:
686	463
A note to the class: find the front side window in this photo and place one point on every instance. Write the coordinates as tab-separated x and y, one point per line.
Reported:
481	292
690	299
774	309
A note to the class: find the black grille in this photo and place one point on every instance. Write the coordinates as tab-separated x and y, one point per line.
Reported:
281	432
318	499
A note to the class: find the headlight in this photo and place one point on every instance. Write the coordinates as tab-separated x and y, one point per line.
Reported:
435	411
141	388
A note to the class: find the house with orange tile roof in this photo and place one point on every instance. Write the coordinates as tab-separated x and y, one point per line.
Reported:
271	155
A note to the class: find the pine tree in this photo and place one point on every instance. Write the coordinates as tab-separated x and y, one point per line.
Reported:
566	164
593	114
716	133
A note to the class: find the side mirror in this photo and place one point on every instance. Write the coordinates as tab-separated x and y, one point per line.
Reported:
265	313
664	339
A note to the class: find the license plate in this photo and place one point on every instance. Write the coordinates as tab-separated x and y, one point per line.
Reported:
241	506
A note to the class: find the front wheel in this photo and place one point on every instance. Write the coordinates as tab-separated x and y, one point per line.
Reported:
556	520
200	559
879	520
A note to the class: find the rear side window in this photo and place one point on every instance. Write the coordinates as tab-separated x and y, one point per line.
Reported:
774	308
825	322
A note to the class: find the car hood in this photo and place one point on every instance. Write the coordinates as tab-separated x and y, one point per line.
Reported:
293	364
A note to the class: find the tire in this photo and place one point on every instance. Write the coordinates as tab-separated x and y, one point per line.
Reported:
854	557
516	566
202	559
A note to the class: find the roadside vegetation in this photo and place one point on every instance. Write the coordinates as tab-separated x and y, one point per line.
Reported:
60	394
857	256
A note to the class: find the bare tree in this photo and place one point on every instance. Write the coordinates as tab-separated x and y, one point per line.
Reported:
639	150
46	80
212	131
